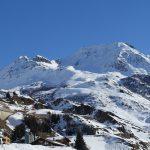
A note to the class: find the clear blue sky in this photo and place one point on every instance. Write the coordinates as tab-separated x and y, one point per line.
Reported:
57	28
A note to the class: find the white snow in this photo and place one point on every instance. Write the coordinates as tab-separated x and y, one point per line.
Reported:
101	143
44	111
14	120
104	58
31	147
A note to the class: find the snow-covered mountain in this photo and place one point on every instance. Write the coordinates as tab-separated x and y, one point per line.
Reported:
107	58
24	71
116	57
97	86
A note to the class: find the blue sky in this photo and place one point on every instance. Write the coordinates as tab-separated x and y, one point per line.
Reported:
57	28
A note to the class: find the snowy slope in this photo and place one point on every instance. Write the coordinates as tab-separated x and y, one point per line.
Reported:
31	147
114	57
100	143
94	143
26	71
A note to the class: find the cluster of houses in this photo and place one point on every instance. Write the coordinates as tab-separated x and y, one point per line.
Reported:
28	138
58	140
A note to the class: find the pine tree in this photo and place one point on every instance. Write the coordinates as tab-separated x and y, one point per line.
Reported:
80	143
8	96
32	124
18	132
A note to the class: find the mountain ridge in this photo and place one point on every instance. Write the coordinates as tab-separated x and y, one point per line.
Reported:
113	57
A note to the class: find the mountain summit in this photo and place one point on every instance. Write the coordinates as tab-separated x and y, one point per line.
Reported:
25	70
119	57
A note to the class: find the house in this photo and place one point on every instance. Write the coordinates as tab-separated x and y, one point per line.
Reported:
6	140
45	138
57	140
4	137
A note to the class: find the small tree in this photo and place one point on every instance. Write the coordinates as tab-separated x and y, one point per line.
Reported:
18	132
8	96
32	124
80	143
45	126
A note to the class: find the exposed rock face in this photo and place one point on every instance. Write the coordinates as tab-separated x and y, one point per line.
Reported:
39	58
139	84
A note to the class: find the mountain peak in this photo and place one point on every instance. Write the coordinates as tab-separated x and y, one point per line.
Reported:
21	59
115	47
39	58
118	56
104	49
122	44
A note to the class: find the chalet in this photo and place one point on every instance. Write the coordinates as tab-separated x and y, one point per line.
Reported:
6	140
4	137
